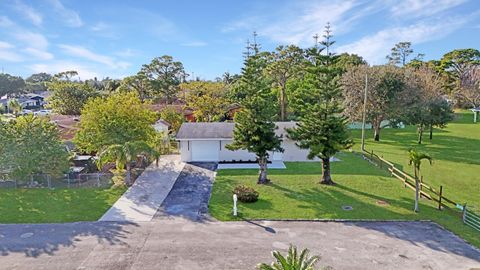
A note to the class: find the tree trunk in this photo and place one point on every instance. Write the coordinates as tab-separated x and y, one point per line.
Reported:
283	104
417	190
431	131
420	134
128	177
376	134
262	173
326	177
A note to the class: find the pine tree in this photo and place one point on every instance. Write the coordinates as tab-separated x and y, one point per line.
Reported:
254	123
322	129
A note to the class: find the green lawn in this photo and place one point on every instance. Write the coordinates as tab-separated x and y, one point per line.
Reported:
456	153
296	194
58	205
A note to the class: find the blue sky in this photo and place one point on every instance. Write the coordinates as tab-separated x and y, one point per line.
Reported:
114	38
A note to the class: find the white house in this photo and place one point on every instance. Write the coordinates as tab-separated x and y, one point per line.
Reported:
206	142
161	126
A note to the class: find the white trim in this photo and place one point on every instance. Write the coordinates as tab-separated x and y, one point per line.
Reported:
206	139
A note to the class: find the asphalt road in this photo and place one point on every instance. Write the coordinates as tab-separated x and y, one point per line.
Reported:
183	244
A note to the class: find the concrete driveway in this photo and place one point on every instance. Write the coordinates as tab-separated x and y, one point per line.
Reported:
190	194
182	244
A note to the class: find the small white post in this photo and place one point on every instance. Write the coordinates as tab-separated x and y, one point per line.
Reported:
235	204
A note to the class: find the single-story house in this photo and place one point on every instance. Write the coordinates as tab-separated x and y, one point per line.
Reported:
161	126
201	142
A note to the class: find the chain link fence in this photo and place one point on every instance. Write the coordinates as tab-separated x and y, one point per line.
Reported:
81	180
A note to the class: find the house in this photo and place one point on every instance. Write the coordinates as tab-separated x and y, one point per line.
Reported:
201	142
161	126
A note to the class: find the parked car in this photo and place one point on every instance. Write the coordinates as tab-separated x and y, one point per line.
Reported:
25	112
43	112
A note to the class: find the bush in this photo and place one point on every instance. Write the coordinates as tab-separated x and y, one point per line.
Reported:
246	194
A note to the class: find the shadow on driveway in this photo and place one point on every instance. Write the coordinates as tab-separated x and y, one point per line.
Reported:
190	194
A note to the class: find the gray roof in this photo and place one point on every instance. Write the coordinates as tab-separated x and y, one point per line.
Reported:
218	130
200	130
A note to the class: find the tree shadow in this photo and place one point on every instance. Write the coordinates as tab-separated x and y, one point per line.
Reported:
36	239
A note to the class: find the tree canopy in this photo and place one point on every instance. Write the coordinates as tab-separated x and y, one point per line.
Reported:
31	145
116	119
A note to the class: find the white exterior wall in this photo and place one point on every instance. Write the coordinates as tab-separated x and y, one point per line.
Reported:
293	152
228	155
185	152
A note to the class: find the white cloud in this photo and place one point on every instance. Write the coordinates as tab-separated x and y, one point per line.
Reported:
28	12
374	48
32	39
298	23
127	53
416	8
7	53
194	44
69	16
100	26
84	72
5	22
38	54
82	52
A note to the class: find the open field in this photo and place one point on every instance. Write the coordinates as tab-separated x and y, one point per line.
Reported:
296	194
455	150
56	205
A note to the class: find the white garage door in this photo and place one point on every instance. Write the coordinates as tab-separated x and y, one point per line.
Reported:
205	150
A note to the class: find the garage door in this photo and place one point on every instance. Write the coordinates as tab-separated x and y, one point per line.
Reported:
205	150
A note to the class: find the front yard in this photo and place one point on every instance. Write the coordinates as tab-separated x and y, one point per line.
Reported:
55	205
296	194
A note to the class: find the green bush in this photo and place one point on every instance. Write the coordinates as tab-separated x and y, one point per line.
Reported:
246	194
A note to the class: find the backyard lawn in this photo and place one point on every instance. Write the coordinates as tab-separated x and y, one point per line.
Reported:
56	205
455	150
296	194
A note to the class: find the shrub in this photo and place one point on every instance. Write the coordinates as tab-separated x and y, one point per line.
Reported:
246	194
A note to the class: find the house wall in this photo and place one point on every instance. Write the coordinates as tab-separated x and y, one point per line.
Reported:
228	155
291	153
185	153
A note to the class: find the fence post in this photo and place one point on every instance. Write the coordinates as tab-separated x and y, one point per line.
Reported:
49	181
98	179
381	162
464	212
440	198
371	155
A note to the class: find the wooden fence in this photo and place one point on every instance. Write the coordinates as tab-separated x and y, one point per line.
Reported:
468	216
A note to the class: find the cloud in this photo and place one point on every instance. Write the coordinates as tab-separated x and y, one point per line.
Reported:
84	72
100	26
28	12
82	52
416	8
194	44
69	16
39	54
127	53
7	53
32	39
374	48
298	23
5	22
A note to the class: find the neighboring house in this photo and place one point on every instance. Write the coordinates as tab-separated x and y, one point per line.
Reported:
206	142
39	99
161	126
26	103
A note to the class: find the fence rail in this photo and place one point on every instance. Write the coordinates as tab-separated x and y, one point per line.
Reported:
469	217
66	181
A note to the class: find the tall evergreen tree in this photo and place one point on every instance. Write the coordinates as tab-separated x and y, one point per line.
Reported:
254	123
322	128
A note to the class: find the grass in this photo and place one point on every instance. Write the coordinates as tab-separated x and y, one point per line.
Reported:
296	194
55	205
455	150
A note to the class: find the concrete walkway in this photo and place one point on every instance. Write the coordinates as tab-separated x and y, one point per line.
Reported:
142	200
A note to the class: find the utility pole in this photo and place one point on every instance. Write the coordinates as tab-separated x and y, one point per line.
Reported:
364	112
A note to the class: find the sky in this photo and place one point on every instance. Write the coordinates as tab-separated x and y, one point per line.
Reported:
111	38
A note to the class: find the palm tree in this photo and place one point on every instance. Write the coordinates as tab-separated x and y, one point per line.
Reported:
415	159
123	155
14	106
293	261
